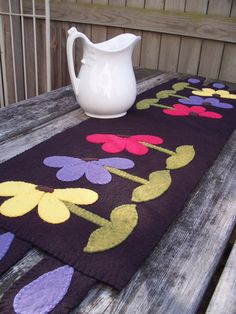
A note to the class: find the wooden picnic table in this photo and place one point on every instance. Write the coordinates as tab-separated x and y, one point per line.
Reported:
176	277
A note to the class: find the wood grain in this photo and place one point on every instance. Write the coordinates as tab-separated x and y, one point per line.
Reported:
151	40
190	49
18	52
228	65
22	117
186	24
99	33
170	44
5	28
56	54
212	52
137	51
41	51
114	31
223	300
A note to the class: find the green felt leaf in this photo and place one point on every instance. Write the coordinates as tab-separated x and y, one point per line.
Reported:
123	220
159	182
145	103
165	94
180	86
184	155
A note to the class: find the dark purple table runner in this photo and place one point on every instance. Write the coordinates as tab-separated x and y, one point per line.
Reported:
198	120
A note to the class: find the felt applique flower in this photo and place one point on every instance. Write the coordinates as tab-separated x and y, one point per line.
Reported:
206	92
51	208
181	110
198	101
193	80
218	85
133	144
94	169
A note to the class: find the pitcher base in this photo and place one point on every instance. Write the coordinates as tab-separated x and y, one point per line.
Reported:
112	116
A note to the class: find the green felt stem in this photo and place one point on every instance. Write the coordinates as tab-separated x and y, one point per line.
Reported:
179	96
159	148
79	211
162	106
193	88
126	175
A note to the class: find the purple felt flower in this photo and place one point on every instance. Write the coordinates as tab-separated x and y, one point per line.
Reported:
218	85
198	101
193	80
95	171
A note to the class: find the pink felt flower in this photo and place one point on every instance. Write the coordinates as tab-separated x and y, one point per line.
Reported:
134	144
181	110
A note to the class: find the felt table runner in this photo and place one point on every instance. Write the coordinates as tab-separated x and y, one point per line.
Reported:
99	196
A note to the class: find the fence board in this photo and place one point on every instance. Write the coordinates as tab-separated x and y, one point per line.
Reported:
186	24
18	53
191	47
5	25
150	40
56	68
212	52
29	57
170	44
114	31
137	52
41	48
99	33
228	66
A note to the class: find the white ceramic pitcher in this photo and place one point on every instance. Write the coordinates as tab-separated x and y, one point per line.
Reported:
106	86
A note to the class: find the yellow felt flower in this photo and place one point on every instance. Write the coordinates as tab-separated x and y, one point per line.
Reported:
26	196
212	92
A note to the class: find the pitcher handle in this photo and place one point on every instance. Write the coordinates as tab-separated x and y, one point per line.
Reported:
73	35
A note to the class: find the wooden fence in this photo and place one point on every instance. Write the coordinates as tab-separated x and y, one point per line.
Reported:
189	36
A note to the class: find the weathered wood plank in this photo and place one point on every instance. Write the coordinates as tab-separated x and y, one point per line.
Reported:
223	300
212	52
137	51
6	55
170	44
99	33
228	65
32	258
18	52
191	47
151	40
114	31
186	24
41	51
56	54
25	115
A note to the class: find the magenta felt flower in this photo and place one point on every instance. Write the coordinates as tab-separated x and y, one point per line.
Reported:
134	144
181	110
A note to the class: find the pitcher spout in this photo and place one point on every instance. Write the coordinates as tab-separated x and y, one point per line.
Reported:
119	43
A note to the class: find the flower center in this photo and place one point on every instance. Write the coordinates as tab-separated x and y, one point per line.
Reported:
207	104
192	113
44	188
216	95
